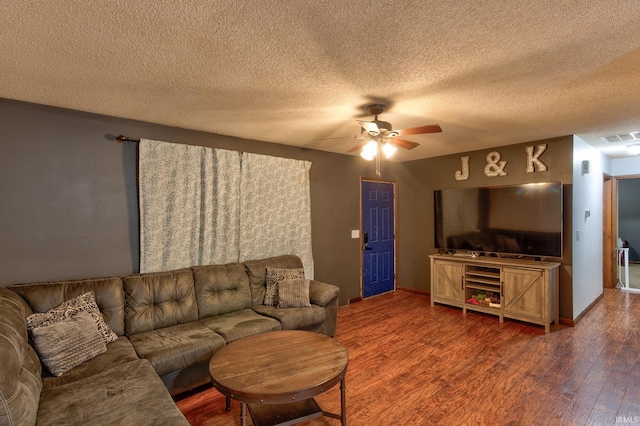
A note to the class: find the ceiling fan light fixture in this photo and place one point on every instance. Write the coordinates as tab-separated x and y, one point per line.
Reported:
370	150
378	136
388	149
366	156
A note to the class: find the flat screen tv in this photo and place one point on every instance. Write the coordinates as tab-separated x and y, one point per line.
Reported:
516	220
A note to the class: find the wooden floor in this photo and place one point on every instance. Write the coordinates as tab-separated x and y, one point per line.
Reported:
413	364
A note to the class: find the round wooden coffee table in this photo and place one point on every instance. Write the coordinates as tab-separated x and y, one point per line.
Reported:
277	374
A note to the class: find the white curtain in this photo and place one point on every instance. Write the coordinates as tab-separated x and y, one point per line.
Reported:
275	209
203	206
189	205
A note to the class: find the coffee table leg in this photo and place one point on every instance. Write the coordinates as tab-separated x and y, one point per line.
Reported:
243	414
343	402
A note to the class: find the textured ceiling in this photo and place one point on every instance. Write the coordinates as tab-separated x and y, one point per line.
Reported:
301	72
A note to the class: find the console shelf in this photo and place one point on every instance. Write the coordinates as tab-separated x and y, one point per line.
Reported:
485	309
479	286
508	288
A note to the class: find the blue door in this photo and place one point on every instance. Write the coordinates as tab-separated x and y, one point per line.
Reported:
378	237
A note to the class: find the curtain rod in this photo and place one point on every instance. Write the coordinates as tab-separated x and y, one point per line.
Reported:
126	139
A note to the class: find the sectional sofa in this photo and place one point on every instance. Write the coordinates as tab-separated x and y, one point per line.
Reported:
165	328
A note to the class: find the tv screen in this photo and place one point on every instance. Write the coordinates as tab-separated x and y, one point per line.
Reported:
523	220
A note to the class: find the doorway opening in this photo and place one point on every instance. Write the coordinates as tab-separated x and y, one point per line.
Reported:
621	236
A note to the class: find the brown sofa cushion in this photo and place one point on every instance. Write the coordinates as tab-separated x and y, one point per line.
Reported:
235	325
159	299
131	394
221	289
174	348
118	353
108	293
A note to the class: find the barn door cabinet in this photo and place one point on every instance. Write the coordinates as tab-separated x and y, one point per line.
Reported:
519	289
447	283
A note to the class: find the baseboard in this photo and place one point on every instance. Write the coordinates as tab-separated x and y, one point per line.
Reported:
414	290
407	289
588	308
567	322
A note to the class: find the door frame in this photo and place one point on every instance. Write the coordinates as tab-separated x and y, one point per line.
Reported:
610	231
610	235
395	233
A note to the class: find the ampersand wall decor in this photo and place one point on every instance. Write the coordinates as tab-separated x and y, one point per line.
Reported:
494	166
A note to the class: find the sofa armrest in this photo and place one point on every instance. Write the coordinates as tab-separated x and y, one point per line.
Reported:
20	370
326	295
322	293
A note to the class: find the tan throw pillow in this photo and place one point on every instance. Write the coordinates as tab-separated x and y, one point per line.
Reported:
272	276
293	293
68	343
69	309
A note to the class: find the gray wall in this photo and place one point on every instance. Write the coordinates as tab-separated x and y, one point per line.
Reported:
69	202
629	215
418	179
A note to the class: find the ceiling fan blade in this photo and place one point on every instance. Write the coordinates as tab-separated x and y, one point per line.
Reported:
369	126
338	137
359	146
432	128
403	143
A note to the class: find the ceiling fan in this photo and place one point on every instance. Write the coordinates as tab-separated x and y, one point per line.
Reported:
383	135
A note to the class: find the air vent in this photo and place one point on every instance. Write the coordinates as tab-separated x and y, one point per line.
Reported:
625	137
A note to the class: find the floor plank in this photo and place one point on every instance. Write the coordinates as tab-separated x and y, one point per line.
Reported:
413	364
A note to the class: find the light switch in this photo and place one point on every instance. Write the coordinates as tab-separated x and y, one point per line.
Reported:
355	233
